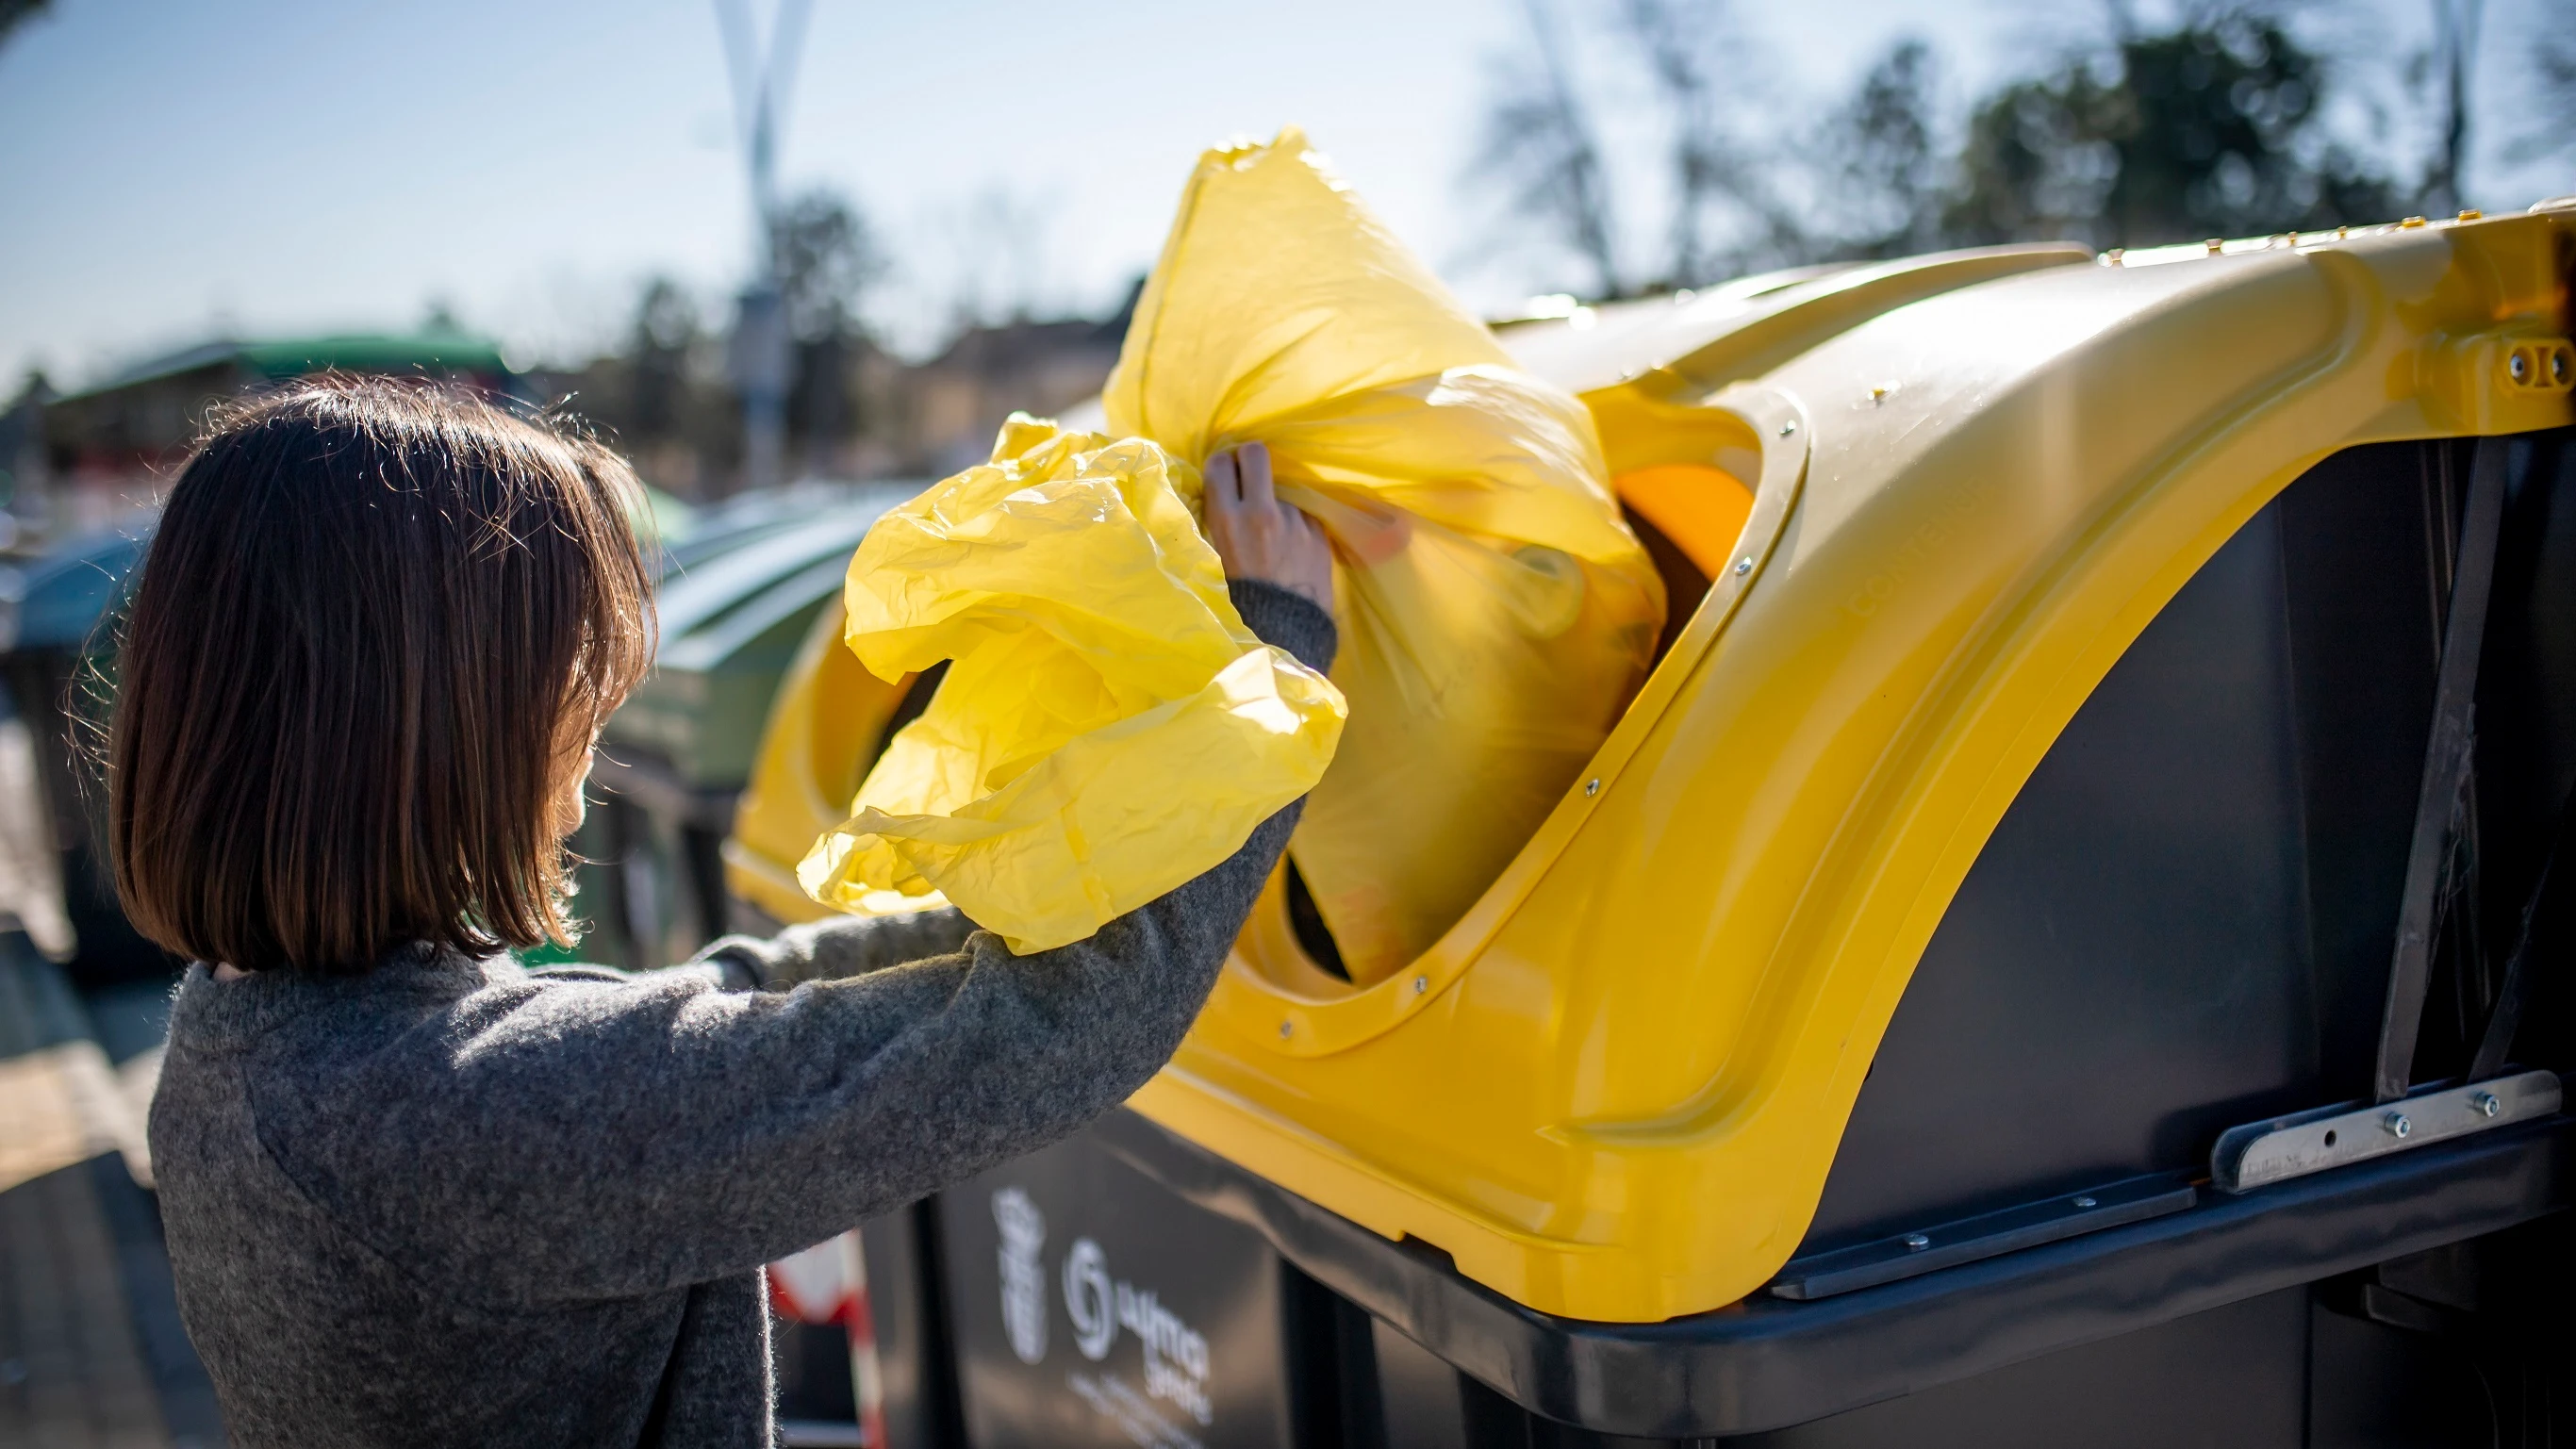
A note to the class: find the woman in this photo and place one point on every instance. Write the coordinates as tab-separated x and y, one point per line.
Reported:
416	1195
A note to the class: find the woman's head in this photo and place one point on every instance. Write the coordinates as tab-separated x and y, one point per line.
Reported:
374	638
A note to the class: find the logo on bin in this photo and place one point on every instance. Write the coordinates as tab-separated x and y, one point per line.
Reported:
1176	1355
1024	1305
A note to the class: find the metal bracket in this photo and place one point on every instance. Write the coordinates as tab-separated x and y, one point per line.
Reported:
2448	750
2282	1148
1907	1255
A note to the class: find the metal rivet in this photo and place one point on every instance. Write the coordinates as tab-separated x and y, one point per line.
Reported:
1285	1028
2113	256
2214	243
1421	984
2519	366
2086	1202
1743	566
2471	214
2397	1124
1788	427
2411	221
1917	1241
1591	788
2486	1104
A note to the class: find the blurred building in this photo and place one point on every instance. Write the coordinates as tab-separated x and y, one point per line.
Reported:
955	402
107	450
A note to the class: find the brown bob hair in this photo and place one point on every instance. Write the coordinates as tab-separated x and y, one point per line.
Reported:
379	623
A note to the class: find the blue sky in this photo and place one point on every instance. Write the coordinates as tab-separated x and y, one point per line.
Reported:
168	171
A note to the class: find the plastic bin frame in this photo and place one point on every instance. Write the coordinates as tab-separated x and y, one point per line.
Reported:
1613	1092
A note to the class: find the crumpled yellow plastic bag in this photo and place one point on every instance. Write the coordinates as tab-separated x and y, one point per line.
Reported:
1495	613
1108	728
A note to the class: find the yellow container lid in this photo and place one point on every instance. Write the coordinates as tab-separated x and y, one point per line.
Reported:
1962	486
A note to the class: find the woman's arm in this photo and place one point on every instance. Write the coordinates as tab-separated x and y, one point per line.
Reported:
837	948
662	1131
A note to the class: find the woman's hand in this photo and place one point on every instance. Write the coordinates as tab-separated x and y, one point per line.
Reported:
1260	537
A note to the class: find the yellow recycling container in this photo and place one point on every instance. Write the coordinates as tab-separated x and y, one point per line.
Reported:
1925	507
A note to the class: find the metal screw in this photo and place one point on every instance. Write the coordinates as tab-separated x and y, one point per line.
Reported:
1743	566
1421	984
2086	1201
1591	788
1285	1028
1917	1242
2397	1124
1788	427
2486	1104
2519	366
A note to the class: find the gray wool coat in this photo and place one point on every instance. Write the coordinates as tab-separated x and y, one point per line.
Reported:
453	1202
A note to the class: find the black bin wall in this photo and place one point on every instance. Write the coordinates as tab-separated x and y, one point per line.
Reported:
2184	920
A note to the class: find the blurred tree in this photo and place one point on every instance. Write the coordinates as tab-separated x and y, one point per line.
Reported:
2038	160
2455	49
1730	165
1539	142
666	331
2551	127
1885	178
14	13
2212	128
828	257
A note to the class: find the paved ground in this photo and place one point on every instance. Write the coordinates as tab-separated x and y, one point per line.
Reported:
91	1352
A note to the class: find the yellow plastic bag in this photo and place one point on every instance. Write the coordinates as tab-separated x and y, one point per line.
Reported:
1496	614
1108	728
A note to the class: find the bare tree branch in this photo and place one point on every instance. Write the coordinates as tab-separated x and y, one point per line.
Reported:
1713	162
2553	76
14	13
1540	139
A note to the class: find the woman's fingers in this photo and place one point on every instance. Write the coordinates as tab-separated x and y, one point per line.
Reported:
1253	464
1258	537
1224	485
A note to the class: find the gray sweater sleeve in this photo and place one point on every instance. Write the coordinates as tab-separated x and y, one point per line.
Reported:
661	1130
836	948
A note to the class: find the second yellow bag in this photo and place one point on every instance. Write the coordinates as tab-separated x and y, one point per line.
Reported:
1496	613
